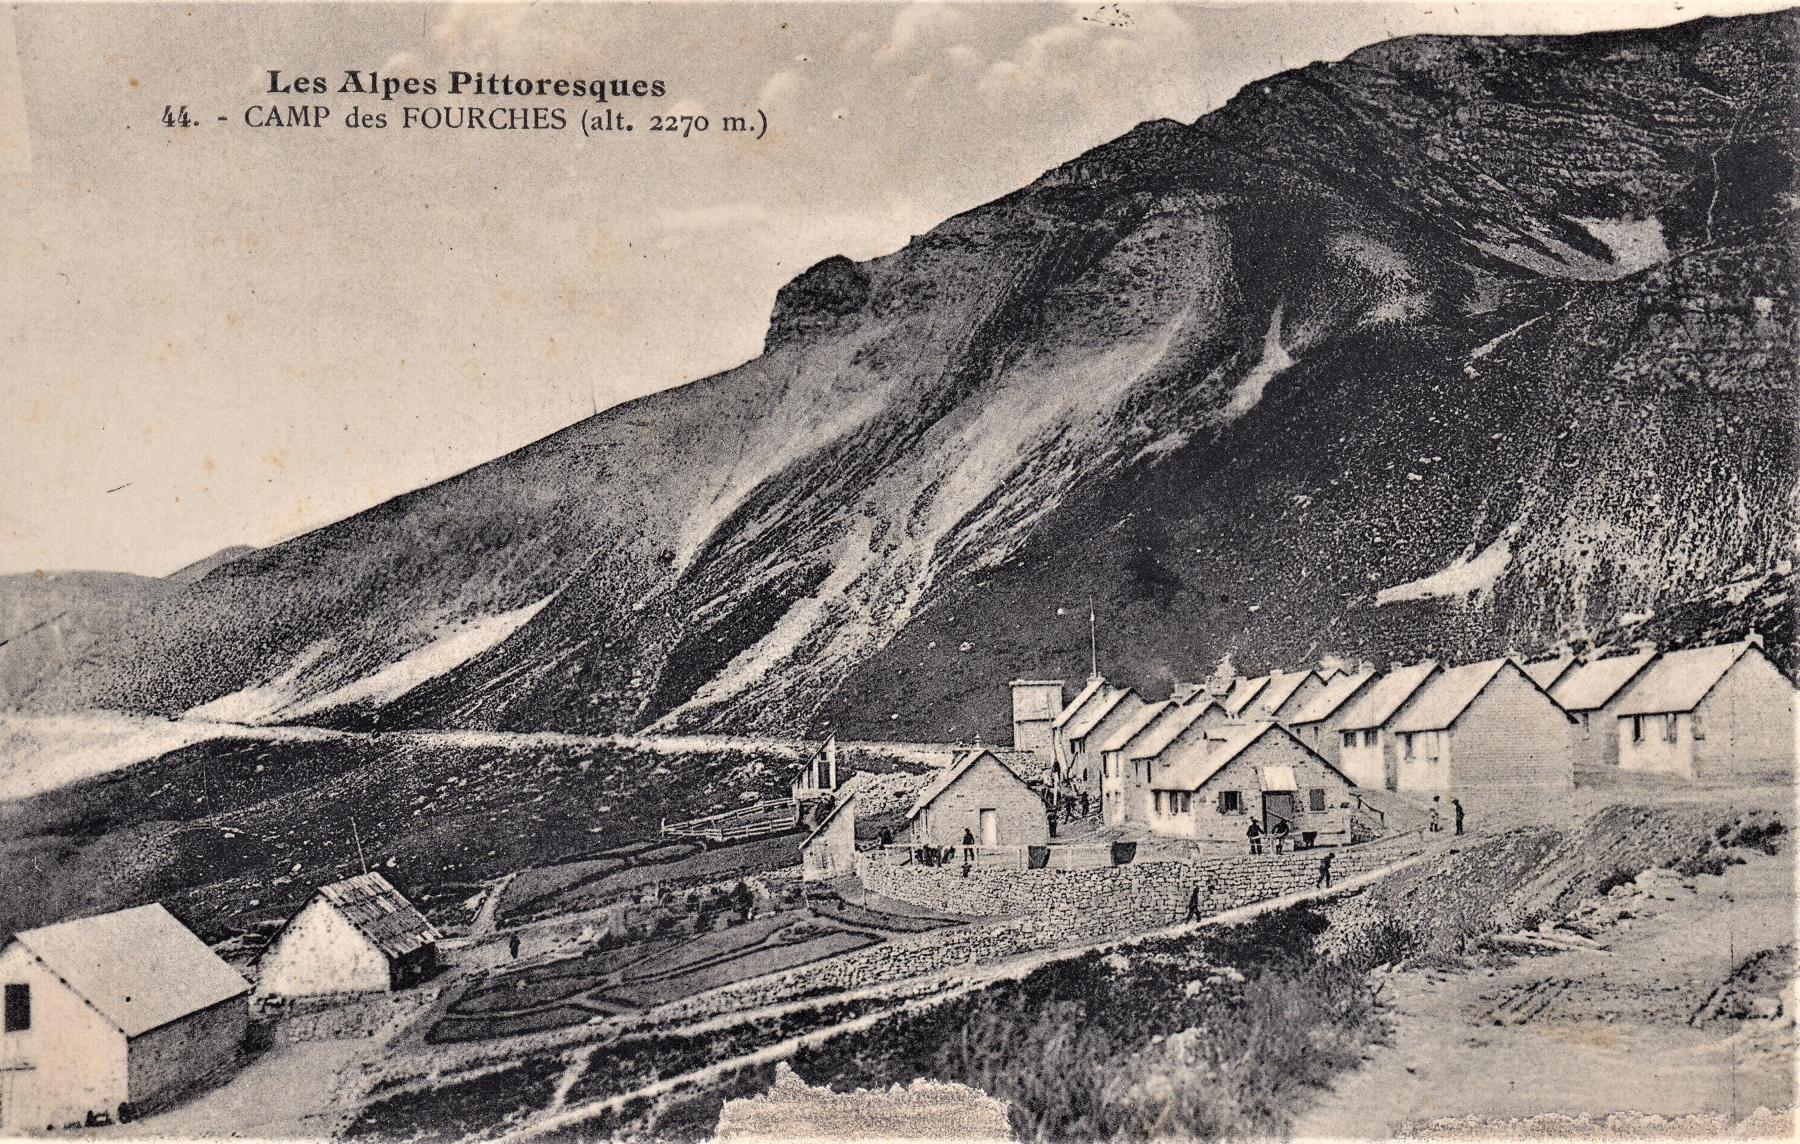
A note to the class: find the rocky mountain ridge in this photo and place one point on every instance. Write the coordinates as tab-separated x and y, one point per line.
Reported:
1456	346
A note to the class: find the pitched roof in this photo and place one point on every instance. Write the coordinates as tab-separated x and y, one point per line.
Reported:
1083	724
1545	672
1448	694
1588	686
1681	679
1157	737
846	794
1338	691
941	783
1123	736
1226	744
380	913
1281	688
1075	704
139	968
1378	701
1243	692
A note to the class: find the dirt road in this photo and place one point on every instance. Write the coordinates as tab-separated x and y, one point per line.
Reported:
1586	1033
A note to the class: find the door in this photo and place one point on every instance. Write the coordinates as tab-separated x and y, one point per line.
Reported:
1278	806
990	828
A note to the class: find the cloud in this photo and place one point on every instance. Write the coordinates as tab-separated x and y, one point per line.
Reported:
917	25
1148	69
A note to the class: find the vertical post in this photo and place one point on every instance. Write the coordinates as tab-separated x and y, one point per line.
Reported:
831	760
357	834
1093	643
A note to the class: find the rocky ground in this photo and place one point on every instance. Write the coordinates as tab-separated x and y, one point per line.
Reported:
1615	1035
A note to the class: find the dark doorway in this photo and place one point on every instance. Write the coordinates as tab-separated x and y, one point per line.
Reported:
1278	806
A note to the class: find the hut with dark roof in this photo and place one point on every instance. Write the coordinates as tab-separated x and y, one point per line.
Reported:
359	935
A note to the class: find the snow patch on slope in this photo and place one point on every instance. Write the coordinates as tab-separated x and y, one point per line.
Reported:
423	663
43	752
760	658
1249	390
1634	245
283	696
261	702
1468	575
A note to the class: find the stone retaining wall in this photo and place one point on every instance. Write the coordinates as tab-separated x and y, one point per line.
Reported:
1051	908
1116	898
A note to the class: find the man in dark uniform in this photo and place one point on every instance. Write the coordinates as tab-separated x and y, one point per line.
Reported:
1254	834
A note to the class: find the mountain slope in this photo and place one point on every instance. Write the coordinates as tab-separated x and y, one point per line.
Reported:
1453	346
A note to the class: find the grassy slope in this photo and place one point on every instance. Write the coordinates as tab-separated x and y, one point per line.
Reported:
232	833
1165	1040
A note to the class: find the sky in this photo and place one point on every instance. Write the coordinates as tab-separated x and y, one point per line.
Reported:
227	334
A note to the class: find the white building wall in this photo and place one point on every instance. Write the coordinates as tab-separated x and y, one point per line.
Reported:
321	953
831	853
1364	759
71	1061
1423	760
1657	744
1747	723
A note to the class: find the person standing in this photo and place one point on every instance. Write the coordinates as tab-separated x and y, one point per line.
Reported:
1254	834
1280	832
1456	805
1436	825
1193	910
968	846
1084	804
1324	879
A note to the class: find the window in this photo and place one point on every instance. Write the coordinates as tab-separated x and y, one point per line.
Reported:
1637	728
1406	745
1187	802
1694	727
1669	728
1349	738
1369	737
1156	801
1315	799
18	1008
1230	802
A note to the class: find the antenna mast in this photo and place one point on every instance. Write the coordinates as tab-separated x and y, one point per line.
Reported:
357	834
1093	644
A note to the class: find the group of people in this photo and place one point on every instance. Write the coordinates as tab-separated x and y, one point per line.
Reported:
1062	804
1278	834
946	855
1437	824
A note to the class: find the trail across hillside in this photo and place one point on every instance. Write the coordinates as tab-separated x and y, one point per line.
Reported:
957	983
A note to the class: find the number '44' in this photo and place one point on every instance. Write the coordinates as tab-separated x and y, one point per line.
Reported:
176	116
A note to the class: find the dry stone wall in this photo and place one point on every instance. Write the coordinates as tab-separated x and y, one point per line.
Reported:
1039	909
1116	899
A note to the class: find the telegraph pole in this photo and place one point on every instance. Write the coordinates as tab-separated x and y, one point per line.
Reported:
1093	643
